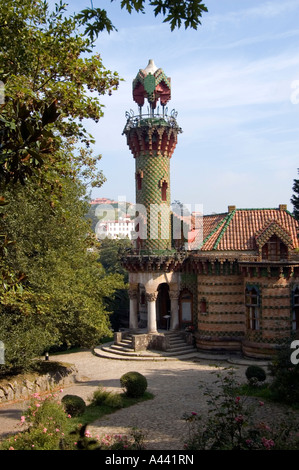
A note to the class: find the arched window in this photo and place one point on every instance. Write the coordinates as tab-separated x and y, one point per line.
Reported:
295	309
139	177
164	191
142	298
252	300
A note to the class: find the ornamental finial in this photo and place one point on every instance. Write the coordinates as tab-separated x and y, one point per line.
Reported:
151	83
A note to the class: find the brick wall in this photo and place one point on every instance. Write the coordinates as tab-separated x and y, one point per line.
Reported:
225	323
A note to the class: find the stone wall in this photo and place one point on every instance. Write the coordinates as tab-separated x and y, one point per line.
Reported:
22	387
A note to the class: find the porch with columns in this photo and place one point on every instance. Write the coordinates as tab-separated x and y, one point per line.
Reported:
151	300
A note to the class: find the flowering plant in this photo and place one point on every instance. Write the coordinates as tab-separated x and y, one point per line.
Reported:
44	426
232	424
190	328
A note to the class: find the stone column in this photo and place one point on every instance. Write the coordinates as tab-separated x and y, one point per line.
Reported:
174	309
151	312
133	295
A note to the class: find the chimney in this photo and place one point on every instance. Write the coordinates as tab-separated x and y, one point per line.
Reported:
231	208
283	207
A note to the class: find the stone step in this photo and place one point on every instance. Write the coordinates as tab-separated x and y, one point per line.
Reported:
175	342
143	356
108	355
178	348
124	344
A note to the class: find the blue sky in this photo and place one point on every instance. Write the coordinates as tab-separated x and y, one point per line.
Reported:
232	85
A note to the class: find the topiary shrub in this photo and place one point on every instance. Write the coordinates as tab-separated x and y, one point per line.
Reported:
134	384
73	405
255	374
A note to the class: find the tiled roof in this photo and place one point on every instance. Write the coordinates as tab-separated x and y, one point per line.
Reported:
241	229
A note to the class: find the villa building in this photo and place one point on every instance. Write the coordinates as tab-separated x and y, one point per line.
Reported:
233	279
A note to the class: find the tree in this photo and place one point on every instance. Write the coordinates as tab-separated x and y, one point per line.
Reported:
49	80
111	253
48	74
295	198
65	291
175	12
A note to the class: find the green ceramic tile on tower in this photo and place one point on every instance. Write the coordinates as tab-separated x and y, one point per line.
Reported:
152	139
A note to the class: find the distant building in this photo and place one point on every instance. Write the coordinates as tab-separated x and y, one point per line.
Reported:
102	200
122	228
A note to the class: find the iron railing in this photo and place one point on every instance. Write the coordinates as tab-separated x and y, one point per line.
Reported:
152	118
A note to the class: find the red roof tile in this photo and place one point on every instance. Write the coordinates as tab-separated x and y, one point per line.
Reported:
239	230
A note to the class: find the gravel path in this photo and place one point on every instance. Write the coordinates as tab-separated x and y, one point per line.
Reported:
175	385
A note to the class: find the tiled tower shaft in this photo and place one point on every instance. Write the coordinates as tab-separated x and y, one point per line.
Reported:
152	144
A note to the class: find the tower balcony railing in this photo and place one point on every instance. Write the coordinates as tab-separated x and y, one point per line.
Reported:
153	117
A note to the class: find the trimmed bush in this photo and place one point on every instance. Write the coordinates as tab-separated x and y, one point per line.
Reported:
255	374
134	384
73	405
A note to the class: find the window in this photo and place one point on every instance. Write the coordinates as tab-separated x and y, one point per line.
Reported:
252	299
295	309
203	306
142	298
186	307
274	250
139	181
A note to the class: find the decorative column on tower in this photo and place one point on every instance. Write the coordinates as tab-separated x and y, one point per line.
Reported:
152	138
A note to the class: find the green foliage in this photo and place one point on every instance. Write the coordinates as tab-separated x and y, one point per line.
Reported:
111	253
177	12
134	384
233	423
46	427
47	88
255	373
104	397
64	288
285	383
295	198
73	405
174	11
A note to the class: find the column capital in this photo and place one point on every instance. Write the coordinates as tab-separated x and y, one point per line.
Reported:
133	294
133	291
174	294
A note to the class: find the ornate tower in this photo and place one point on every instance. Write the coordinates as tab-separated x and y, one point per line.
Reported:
152	138
153	269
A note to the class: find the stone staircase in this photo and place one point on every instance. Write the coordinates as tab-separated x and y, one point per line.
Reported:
123	350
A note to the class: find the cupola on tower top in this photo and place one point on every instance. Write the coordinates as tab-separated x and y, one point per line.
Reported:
152	84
